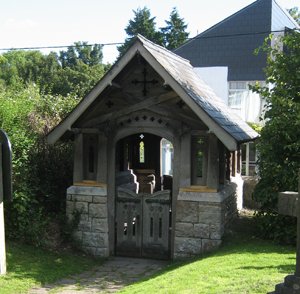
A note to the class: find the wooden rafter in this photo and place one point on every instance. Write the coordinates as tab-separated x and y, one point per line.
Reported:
141	105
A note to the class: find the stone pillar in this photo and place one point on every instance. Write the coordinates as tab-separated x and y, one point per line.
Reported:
213	163
92	231
78	158
201	219
2	234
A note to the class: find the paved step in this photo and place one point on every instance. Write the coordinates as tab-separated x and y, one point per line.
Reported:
110	277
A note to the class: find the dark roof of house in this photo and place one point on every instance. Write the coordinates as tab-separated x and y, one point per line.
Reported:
232	41
180	75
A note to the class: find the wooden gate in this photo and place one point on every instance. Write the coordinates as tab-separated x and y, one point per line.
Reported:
143	224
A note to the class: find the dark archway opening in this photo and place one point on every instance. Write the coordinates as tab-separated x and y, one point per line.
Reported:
144	167
149	157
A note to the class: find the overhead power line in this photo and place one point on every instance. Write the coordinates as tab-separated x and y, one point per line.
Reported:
60	46
121	43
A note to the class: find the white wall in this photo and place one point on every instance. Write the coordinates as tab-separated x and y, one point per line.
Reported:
216	78
251	104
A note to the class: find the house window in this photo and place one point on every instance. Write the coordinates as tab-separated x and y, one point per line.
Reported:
199	160
249	158
244	102
237	94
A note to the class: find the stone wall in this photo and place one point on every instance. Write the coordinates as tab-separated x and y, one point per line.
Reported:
248	189
201	219
92	231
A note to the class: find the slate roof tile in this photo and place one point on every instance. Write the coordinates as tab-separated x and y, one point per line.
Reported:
182	71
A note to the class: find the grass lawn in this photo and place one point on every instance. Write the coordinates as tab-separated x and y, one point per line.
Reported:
28	267
244	264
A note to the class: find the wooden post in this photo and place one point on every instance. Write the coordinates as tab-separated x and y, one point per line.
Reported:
2	235
213	163
78	158
297	272
247	158
233	164
102	159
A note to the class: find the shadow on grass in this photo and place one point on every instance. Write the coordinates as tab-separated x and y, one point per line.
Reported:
241	239
281	268
26	262
234	244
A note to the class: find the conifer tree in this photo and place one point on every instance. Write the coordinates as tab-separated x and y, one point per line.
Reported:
174	33
143	24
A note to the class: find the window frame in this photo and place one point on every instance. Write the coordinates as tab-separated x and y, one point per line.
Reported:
195	147
90	143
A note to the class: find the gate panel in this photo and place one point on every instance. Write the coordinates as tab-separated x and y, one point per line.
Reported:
128	223
156	224
142	224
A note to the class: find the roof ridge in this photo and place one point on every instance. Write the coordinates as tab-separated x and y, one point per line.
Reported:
285	11
159	48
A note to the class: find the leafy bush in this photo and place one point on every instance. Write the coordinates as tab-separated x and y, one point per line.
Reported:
36	93
41	173
279	144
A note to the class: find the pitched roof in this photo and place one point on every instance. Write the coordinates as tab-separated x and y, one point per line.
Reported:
180	75
232	41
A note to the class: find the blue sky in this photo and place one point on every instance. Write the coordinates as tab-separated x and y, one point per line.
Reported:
62	22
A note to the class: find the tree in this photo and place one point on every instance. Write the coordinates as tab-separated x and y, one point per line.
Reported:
74	71
80	69
81	52
174	33
36	92
23	67
295	13
143	24
279	145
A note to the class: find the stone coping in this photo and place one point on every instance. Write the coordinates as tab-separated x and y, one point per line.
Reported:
90	184
202	189
87	190
216	197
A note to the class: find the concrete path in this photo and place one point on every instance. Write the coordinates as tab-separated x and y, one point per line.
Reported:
110	277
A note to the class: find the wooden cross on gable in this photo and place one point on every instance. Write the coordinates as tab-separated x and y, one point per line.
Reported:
144	81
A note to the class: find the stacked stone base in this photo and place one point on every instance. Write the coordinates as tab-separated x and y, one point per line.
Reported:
90	203
201	219
291	285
